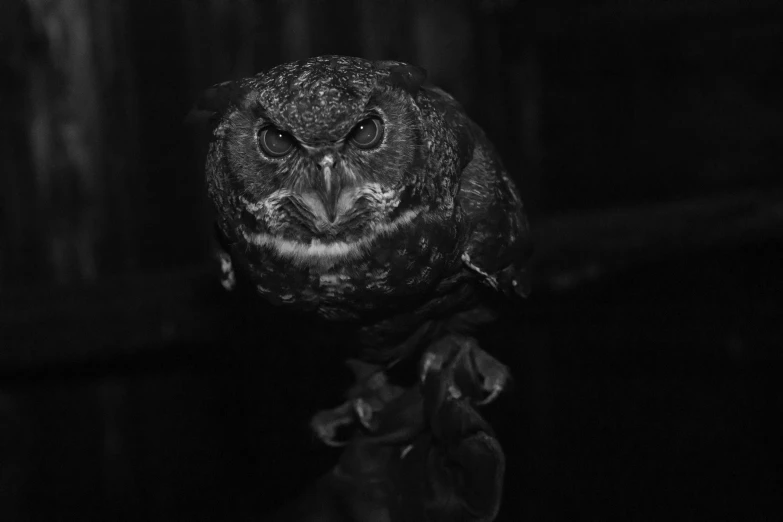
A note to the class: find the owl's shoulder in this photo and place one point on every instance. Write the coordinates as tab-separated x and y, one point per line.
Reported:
500	241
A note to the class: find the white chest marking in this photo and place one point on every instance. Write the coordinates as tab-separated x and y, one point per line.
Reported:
318	252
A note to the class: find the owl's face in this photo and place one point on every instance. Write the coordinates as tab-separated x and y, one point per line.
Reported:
316	160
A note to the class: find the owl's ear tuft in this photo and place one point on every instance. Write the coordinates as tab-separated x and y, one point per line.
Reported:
407	77
214	101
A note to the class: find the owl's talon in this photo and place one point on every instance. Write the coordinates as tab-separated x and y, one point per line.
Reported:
326	423
495	375
364	412
431	362
494	393
486	376
334	443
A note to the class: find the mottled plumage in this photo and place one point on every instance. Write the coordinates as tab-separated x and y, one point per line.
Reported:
409	223
356	191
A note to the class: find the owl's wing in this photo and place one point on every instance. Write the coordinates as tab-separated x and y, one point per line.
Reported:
500	240
499	243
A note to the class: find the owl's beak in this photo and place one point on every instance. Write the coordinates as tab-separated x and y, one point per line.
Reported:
330	188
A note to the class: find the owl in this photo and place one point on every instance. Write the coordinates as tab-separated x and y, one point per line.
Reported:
357	193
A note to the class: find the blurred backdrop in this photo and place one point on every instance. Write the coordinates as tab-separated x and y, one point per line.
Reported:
646	140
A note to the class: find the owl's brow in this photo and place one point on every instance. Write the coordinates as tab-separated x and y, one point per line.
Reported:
259	110
264	117
373	108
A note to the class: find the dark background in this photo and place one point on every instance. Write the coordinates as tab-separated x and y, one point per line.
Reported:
645	138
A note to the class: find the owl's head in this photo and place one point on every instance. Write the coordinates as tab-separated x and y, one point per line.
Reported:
314	160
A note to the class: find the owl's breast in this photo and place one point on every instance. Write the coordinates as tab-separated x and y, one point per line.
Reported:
394	271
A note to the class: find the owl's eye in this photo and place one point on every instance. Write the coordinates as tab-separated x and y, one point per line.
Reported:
368	133
275	142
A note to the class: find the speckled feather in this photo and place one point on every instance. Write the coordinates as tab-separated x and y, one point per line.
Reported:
424	219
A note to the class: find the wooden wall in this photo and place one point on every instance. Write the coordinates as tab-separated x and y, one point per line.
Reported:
645	137
592	106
